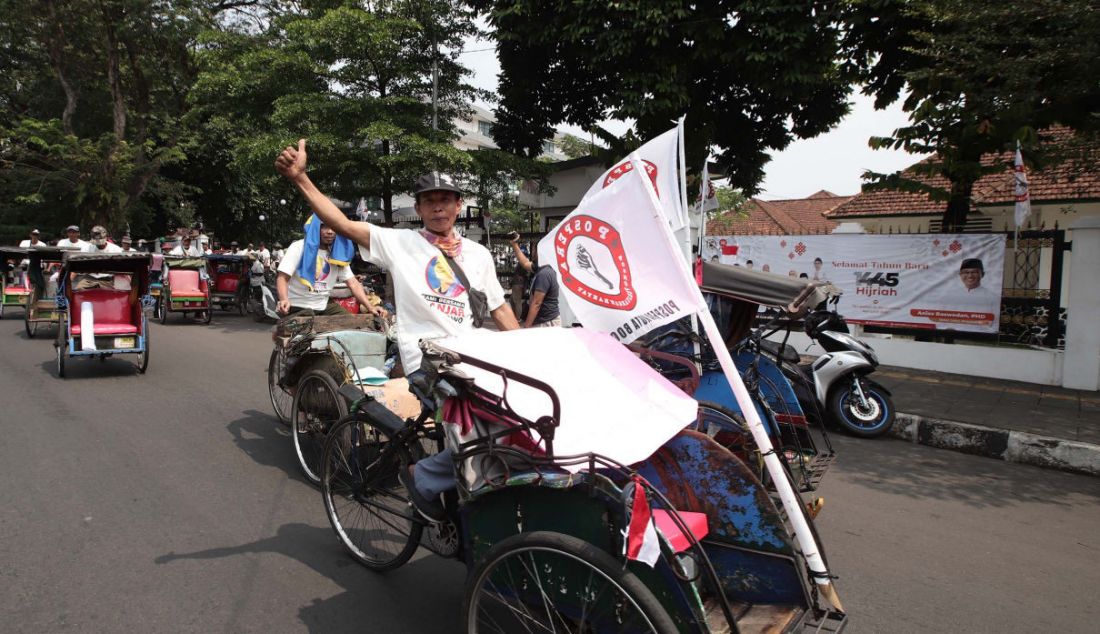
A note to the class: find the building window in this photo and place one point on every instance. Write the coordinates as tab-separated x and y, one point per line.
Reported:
485	128
547	147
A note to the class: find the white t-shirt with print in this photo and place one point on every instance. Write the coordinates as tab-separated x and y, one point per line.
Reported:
326	277
65	242
431	302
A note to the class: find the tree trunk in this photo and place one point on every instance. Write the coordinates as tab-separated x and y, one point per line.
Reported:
57	44
387	189
958	207
114	79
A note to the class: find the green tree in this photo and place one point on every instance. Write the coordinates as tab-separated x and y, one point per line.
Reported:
356	79
751	75
980	75
94	94
574	147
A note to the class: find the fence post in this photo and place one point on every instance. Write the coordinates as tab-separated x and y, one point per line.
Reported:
1081	363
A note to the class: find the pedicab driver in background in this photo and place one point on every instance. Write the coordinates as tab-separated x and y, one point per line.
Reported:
431	301
310	270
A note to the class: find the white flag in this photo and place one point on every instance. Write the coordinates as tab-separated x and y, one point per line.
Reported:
1023	198
617	263
708	196
659	157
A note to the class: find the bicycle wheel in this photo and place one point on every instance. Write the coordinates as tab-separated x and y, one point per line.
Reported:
316	409
281	400
364	499
549	582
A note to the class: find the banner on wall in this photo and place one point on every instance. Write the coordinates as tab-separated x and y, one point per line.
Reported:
935	281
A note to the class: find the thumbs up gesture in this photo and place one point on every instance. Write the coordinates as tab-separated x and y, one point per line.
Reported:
291	162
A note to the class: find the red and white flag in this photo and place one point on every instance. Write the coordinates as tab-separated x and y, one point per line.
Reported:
659	158
642	543
618	265
1023	197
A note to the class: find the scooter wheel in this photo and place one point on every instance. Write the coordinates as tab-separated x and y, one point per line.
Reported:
864	421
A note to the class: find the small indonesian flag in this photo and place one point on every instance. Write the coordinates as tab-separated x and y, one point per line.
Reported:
1023	197
642	543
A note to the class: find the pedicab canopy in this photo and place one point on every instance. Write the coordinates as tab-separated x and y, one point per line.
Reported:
107	263
794	295
179	262
612	403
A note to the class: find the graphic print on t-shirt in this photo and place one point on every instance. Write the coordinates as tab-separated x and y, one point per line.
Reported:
445	287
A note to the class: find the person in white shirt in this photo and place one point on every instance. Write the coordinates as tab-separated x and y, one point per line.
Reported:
264	255
101	245
431	300
295	297
33	241
72	238
186	248
127	245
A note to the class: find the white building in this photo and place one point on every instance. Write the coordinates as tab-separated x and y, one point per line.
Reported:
475	133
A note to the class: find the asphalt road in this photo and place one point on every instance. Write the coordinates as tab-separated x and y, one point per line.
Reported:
170	502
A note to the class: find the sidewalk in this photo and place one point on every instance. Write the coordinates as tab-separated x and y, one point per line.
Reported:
1019	422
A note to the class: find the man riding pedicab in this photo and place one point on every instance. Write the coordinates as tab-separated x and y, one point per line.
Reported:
312	267
441	282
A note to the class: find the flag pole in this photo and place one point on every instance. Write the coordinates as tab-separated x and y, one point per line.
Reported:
792	503
685	216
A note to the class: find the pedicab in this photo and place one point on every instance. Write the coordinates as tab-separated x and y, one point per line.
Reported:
102	299
341	294
43	268
557	484
735	296
14	287
230	275
185	287
312	359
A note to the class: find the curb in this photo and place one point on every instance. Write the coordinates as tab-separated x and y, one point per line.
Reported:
1001	444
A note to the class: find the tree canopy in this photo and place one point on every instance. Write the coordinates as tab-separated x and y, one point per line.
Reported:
751	75
979	75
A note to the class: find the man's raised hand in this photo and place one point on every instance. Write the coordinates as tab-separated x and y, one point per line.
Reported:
291	162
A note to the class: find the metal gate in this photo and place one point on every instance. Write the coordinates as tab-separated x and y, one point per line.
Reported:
1031	300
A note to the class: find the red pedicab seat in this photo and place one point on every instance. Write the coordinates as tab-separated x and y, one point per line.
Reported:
112	311
226	283
184	285
695	522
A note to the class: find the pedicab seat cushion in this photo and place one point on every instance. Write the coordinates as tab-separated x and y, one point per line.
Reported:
696	523
184	284
226	283
111	310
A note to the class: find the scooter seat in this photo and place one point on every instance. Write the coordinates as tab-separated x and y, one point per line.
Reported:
782	351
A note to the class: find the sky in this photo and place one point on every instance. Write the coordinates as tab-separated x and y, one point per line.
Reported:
832	161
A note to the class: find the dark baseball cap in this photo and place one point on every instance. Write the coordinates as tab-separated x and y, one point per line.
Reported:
435	182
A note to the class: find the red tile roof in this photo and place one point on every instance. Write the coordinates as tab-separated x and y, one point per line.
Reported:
786	217
1070	180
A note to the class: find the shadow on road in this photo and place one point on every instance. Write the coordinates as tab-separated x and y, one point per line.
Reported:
902	468
81	367
267	441
422	596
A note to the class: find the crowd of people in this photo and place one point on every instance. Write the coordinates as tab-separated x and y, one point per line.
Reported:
191	243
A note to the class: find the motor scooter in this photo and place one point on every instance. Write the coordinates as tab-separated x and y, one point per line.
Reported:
835	387
262	302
